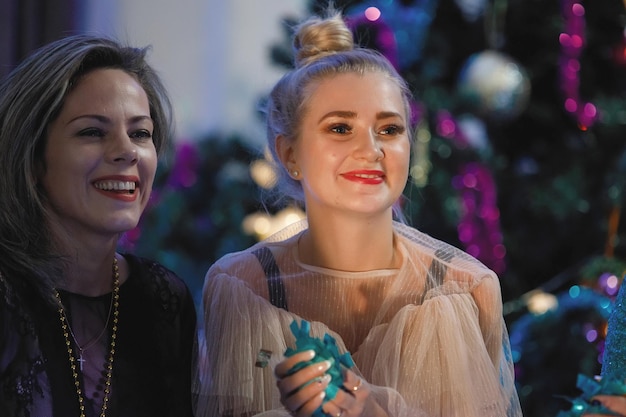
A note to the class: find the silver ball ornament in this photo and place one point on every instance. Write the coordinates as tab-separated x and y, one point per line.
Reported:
494	86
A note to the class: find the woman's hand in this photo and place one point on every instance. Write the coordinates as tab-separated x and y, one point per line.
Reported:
303	392
354	400
615	403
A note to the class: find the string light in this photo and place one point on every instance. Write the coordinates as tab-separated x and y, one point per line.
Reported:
572	41
262	225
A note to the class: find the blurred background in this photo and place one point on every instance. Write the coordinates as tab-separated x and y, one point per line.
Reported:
519	155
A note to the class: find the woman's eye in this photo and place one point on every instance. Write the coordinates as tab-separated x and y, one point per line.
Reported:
392	130
141	134
91	132
341	129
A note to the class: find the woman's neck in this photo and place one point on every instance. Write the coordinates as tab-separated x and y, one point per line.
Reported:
349	244
88	266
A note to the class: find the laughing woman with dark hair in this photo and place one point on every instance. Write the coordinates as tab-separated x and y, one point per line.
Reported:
85	330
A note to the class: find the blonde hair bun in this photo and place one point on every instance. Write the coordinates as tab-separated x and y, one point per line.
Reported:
318	37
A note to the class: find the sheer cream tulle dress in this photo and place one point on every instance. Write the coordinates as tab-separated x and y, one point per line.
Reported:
431	342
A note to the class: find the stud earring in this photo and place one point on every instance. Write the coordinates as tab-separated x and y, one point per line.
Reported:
295	173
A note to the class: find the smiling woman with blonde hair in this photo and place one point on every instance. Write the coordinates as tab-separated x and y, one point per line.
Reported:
422	320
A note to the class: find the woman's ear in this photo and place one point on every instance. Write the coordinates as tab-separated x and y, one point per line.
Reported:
285	151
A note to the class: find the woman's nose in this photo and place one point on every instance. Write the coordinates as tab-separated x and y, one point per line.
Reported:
370	147
129	155
123	150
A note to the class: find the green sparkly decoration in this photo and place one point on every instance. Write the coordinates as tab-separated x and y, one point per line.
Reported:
614	361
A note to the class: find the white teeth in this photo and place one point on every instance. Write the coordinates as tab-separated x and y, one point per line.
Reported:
367	176
115	185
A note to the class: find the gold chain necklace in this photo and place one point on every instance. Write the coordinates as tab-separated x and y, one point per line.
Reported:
65	325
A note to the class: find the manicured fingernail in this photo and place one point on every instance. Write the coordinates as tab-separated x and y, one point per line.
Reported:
310	353
324	379
323	366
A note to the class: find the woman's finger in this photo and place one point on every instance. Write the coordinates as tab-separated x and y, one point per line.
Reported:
282	368
352	382
308	398
291	383
302	391
332	409
351	400
615	403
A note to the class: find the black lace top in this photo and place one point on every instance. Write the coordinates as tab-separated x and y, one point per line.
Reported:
152	366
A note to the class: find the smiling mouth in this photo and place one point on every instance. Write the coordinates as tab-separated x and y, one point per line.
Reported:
367	176
116	186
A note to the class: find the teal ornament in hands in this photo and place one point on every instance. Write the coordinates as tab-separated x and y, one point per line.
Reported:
590	387
325	349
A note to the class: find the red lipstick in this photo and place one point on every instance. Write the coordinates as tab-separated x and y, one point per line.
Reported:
365	176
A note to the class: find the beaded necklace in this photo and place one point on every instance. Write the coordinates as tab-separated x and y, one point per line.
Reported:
93	341
65	325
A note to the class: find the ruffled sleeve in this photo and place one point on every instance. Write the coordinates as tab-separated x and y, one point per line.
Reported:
434	355
450	354
228	382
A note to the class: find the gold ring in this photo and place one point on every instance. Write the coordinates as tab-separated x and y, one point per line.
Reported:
340	413
356	388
